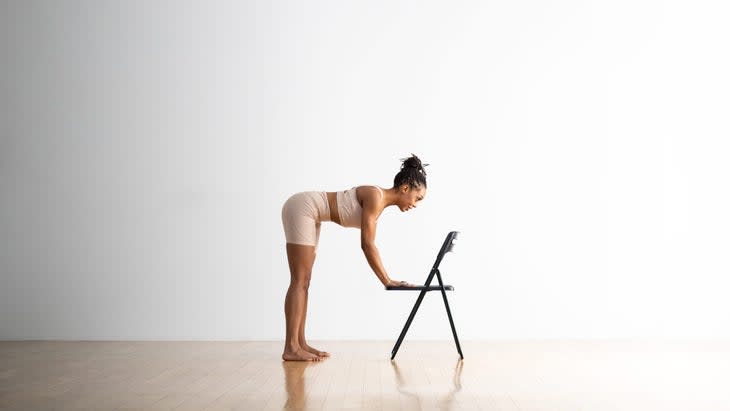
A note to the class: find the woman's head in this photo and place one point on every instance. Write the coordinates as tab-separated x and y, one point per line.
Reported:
410	183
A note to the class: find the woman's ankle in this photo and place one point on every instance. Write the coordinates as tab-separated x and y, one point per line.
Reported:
292	347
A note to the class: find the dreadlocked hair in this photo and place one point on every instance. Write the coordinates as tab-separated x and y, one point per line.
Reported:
411	172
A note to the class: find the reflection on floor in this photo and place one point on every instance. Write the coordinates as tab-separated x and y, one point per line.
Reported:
516	375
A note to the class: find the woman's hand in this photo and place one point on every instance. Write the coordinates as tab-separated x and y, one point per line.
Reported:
395	283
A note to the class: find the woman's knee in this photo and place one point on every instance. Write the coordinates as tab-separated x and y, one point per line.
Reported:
301	280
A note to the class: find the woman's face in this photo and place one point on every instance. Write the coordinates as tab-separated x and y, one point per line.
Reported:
410	197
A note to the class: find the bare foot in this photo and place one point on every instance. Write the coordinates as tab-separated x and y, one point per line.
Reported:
299	355
318	353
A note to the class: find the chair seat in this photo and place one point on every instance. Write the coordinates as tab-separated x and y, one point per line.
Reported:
419	288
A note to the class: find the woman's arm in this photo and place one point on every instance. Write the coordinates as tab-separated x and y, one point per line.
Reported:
371	209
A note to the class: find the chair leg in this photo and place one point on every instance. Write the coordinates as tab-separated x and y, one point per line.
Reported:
448	312
408	324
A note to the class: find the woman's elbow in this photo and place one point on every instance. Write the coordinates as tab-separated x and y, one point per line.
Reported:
367	246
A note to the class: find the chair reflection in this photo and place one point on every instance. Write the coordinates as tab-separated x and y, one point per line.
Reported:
302	394
444	402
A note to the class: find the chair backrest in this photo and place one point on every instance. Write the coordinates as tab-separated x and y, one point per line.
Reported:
446	247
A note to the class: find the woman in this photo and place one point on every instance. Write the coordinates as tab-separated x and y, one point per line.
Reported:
358	207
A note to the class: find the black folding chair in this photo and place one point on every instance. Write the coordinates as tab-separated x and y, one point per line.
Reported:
445	248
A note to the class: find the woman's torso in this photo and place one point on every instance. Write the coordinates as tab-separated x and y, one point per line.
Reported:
349	207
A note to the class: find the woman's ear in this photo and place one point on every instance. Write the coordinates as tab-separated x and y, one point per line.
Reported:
404	188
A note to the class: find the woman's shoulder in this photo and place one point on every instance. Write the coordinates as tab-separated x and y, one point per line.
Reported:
369	192
368	187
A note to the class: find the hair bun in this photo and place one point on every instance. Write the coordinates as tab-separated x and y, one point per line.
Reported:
413	162
411	173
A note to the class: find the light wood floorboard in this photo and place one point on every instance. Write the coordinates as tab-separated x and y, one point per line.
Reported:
598	375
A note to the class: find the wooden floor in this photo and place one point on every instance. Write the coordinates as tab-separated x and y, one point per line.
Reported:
517	375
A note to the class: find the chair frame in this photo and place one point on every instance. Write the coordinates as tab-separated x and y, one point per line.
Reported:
447	246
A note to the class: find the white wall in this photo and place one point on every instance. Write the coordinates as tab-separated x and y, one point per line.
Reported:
580	147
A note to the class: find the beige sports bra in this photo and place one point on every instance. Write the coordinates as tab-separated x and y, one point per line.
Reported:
349	208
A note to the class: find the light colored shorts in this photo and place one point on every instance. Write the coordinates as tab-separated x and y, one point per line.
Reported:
302	216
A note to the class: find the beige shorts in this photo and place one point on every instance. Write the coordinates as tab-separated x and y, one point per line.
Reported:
302	216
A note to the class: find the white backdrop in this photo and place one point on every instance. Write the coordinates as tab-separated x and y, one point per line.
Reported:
580	147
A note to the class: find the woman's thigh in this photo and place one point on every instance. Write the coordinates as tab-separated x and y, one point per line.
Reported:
301	259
